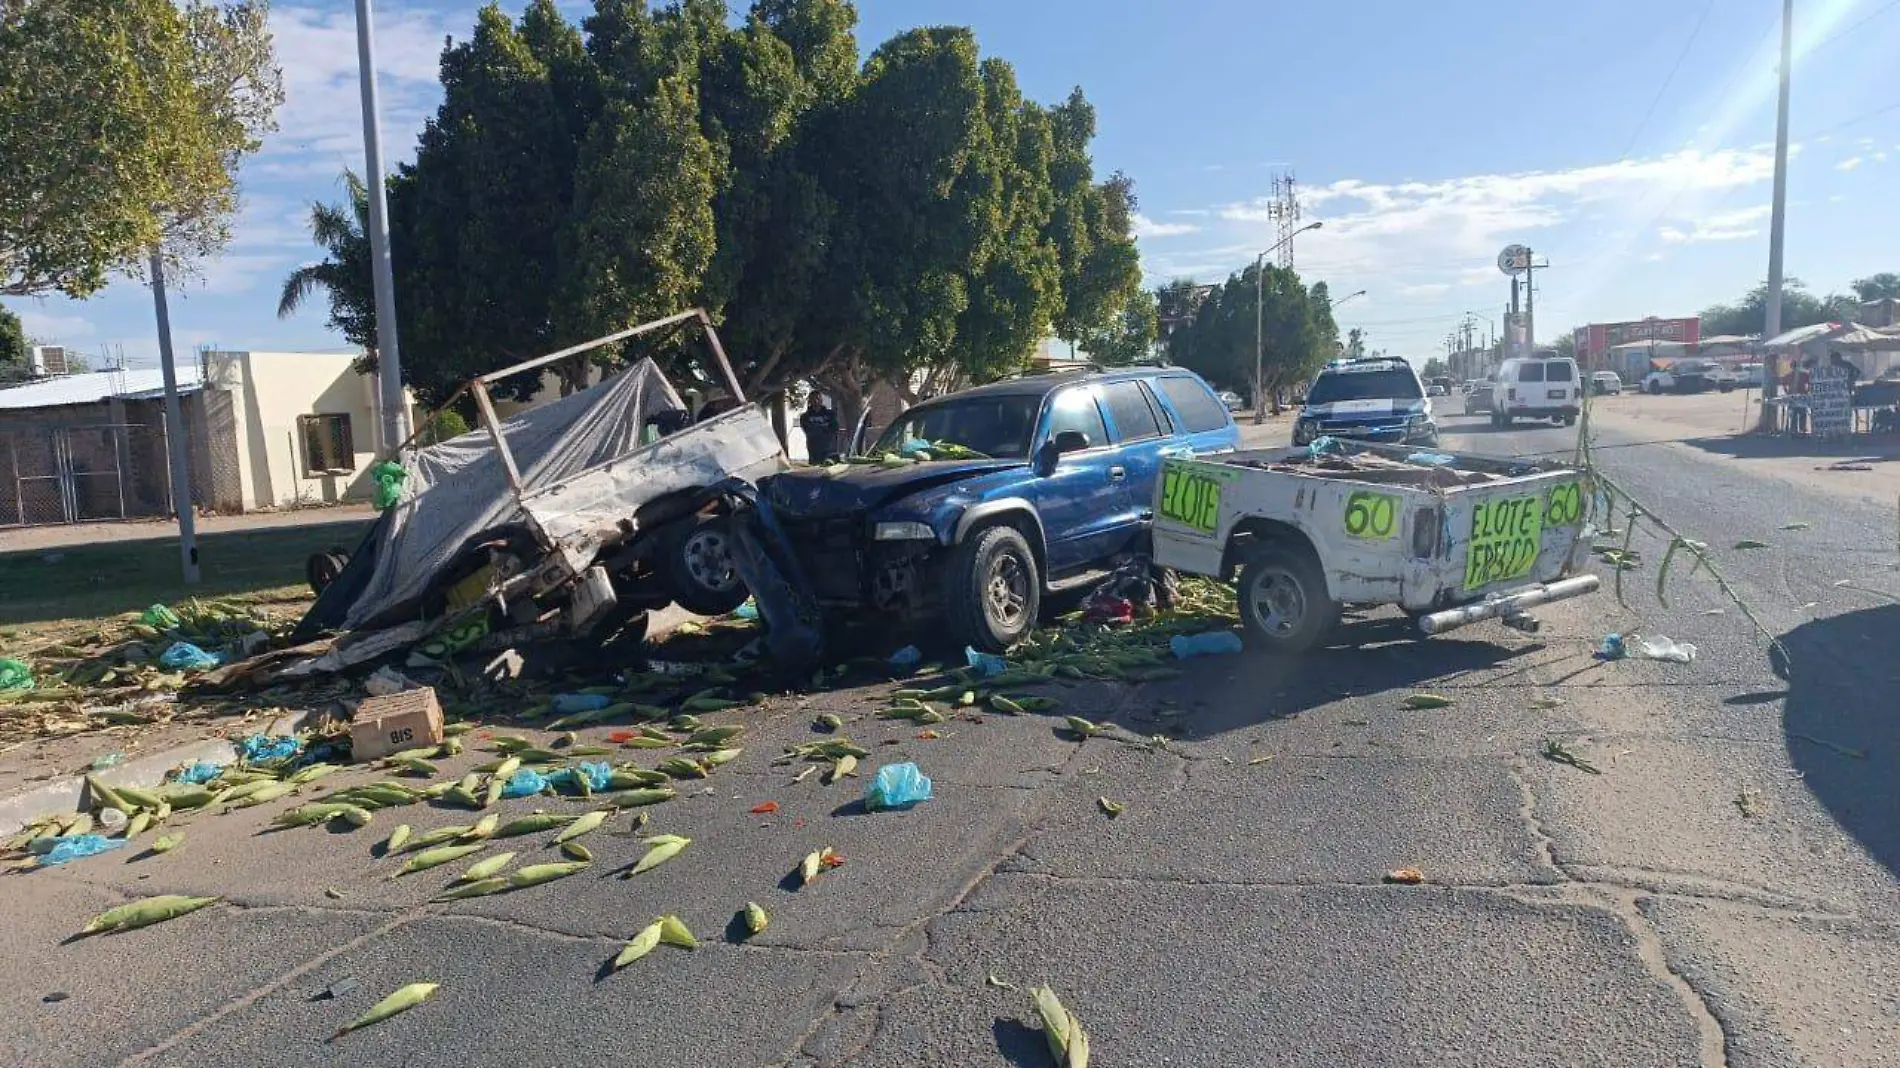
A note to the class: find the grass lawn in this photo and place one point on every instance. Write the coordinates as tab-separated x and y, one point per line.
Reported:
48	591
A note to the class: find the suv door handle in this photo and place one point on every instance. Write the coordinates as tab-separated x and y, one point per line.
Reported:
1117	473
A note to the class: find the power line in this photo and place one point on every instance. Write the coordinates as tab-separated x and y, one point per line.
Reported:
1876	113
1667	82
1857	24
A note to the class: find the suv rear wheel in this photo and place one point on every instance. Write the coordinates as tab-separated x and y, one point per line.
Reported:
695	565
994	590
1284	605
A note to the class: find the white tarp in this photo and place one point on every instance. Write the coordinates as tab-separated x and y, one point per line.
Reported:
459	488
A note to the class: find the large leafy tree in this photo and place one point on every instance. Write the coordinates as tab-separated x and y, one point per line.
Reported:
1798	308
15	364
1882	286
1296	330
850	224
122	123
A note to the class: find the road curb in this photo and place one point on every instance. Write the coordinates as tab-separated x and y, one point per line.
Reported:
63	795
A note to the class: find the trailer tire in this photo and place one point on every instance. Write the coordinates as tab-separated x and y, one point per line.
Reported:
321	569
695	565
993	589
1283	601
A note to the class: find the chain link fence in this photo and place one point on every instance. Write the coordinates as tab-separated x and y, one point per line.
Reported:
78	474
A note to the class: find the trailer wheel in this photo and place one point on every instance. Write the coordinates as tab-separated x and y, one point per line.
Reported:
1284	605
695	565
321	569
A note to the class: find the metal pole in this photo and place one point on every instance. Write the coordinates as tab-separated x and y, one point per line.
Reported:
1259	339
177	440
1530	303
1779	217
388	358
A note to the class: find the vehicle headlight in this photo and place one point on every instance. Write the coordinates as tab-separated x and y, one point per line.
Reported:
903	531
1419	419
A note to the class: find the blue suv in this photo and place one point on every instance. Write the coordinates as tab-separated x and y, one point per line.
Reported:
1053	477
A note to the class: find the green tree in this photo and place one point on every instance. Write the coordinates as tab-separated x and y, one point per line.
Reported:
1882	286
122	124
1296	327
343	274
15	357
1748	316
1355	343
1130	338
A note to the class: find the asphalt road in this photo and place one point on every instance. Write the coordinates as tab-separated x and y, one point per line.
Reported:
1233	914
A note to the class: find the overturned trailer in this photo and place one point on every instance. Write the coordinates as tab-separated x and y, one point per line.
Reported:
571	518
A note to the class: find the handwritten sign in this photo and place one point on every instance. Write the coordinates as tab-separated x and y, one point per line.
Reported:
1506	535
1189	497
1372	516
1830	402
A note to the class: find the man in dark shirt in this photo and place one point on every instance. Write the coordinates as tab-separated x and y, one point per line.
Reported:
820	425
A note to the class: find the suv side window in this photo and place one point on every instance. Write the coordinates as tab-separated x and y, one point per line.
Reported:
1128	406
1531	372
1075	409
1195	405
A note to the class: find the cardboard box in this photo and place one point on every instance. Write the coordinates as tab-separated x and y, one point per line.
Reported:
384	725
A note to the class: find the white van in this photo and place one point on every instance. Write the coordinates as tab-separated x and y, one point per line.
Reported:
1540	388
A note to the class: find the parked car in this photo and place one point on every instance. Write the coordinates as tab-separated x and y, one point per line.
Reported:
1748	376
1234	401
1605	383
976	507
1540	388
1688	376
1371	398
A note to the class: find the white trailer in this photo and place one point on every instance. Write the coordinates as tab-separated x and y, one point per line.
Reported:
1303	532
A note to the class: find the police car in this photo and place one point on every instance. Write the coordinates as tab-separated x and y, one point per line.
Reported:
1372	399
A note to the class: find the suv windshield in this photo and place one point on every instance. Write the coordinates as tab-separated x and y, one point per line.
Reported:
997	427
1334	386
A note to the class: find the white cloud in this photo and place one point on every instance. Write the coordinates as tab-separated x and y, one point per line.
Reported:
1723	226
1196	213
48	327
1848	164
1425	289
1146	227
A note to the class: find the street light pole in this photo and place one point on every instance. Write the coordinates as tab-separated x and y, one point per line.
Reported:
388	359
1778	219
1337	301
1259	324
177	438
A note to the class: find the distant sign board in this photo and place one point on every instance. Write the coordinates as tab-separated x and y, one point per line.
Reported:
1829	402
1598	338
1515	259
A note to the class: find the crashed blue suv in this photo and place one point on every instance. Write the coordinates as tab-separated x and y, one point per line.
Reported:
977	506
1372	399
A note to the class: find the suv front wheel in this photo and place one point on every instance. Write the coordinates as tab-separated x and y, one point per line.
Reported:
695	565
994	590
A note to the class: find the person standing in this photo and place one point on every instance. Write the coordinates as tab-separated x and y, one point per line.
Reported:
820	425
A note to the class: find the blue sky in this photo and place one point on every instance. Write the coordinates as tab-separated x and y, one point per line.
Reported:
1628	141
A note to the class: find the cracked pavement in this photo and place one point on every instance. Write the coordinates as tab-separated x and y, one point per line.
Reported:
1234	914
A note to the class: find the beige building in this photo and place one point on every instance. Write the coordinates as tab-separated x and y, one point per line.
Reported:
266	430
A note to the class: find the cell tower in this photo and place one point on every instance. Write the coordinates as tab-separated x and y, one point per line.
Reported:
1285	213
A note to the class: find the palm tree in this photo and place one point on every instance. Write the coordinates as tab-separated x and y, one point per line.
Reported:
345	274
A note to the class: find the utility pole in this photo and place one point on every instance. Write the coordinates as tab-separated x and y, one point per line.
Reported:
1530	303
388	359
177	438
1778	219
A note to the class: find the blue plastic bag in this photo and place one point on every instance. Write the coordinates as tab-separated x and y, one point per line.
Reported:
906	658
985	664
896	786
188	657
599	776
1210	643
748	610
261	749
79	845
1612	647
197	773
525	782
566	704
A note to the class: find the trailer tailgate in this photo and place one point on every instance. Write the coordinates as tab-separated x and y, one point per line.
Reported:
1510	533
